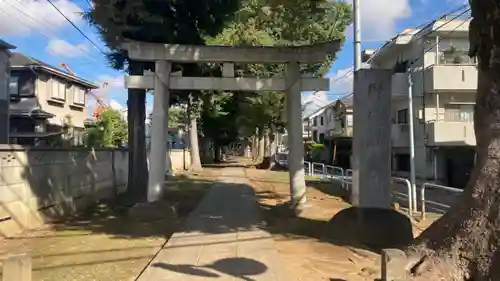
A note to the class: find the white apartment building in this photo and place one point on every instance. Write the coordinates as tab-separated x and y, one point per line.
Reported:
444	89
334	120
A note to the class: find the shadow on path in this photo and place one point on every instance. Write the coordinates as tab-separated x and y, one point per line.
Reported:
235	267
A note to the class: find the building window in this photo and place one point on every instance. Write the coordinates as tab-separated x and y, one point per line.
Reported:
402	162
315	136
13	86
349	120
459	113
315	121
403	116
321	121
58	90
78	95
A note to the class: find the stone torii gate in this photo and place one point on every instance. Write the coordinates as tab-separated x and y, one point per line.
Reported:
163	80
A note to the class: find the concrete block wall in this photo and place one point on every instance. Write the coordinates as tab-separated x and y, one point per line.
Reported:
38	185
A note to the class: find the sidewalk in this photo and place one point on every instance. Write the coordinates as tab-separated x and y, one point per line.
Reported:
221	239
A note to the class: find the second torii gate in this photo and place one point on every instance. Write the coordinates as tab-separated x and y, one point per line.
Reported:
162	81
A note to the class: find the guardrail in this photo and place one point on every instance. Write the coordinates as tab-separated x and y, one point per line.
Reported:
308	170
344	176
407	183
318	168
423	201
333	171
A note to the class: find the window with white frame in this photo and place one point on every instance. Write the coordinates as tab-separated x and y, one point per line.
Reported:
78	95
58	89
459	113
13	86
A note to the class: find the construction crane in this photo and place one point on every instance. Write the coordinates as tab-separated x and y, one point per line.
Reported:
101	105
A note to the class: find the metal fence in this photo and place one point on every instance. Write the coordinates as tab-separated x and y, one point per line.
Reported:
401	187
445	203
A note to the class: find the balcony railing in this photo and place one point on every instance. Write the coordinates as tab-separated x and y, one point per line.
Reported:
449	133
458	59
451	77
341	132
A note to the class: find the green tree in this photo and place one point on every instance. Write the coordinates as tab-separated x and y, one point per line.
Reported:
176	117
110	130
160	21
274	23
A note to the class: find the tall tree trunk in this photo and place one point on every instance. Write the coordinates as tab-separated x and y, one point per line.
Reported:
262	148
273	148
267	143
137	163
255	147
464	243
217	152
208	156
193	137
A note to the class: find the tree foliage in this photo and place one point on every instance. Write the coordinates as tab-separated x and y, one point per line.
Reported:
274	23
159	21
176	117
109	130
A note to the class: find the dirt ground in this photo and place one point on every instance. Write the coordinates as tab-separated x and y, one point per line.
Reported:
306	243
103	244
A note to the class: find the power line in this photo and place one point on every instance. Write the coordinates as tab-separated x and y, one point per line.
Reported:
421	26
50	36
76	27
88	2
44	34
445	23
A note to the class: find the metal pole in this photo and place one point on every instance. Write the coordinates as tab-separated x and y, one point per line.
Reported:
411	139
357	36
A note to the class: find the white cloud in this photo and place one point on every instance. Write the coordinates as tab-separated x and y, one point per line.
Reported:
22	17
378	18
117	81
115	105
62	48
320	97
341	81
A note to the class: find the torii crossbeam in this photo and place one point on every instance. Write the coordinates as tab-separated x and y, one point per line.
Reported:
162	81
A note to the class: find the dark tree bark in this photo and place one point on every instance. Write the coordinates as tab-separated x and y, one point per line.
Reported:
464	243
217	152
137	163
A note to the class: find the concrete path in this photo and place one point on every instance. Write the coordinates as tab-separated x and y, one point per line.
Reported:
221	239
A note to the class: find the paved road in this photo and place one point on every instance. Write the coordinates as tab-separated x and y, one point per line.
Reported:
221	240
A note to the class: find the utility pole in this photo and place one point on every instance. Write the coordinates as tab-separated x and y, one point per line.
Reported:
411	135
357	36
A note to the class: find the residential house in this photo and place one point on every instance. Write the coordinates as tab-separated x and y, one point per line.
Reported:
316	124
4	89
310	105
331	125
444	89
339	135
45	101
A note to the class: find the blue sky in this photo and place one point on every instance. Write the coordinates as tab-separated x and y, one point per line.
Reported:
38	30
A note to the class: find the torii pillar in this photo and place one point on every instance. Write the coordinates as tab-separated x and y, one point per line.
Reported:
162	81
